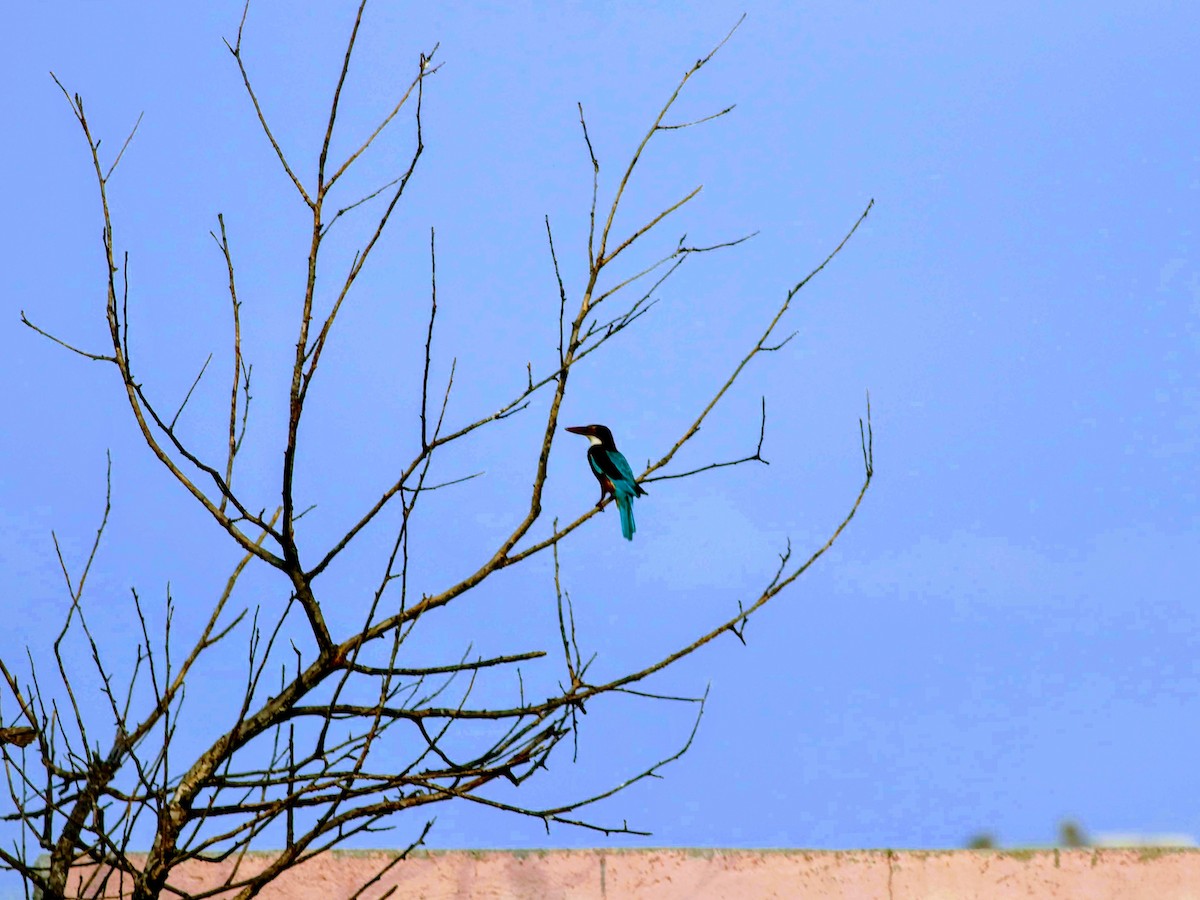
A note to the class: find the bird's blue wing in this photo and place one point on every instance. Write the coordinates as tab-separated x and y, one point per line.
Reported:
623	471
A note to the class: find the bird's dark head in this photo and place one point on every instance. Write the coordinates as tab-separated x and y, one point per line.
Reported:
596	434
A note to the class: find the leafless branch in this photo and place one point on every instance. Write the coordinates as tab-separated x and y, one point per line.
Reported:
309	748
188	395
124	147
756	456
97	357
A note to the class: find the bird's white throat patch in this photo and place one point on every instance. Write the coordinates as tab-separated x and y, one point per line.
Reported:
594	441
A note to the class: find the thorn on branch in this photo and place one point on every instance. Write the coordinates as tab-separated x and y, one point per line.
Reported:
738	629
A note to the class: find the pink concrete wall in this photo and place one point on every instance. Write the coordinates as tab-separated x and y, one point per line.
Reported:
1102	874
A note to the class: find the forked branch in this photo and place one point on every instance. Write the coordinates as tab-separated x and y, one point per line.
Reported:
338	728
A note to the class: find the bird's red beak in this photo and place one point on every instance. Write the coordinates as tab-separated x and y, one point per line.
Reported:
578	429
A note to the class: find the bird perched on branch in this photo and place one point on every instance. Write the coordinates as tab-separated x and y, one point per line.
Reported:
612	471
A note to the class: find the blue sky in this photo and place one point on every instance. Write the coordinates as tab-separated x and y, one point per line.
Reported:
1008	634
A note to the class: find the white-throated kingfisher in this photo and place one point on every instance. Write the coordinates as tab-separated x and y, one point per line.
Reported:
612	471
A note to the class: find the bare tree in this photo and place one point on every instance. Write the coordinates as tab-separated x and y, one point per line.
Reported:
302	757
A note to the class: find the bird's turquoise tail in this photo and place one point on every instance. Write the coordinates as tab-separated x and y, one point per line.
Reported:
625	507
